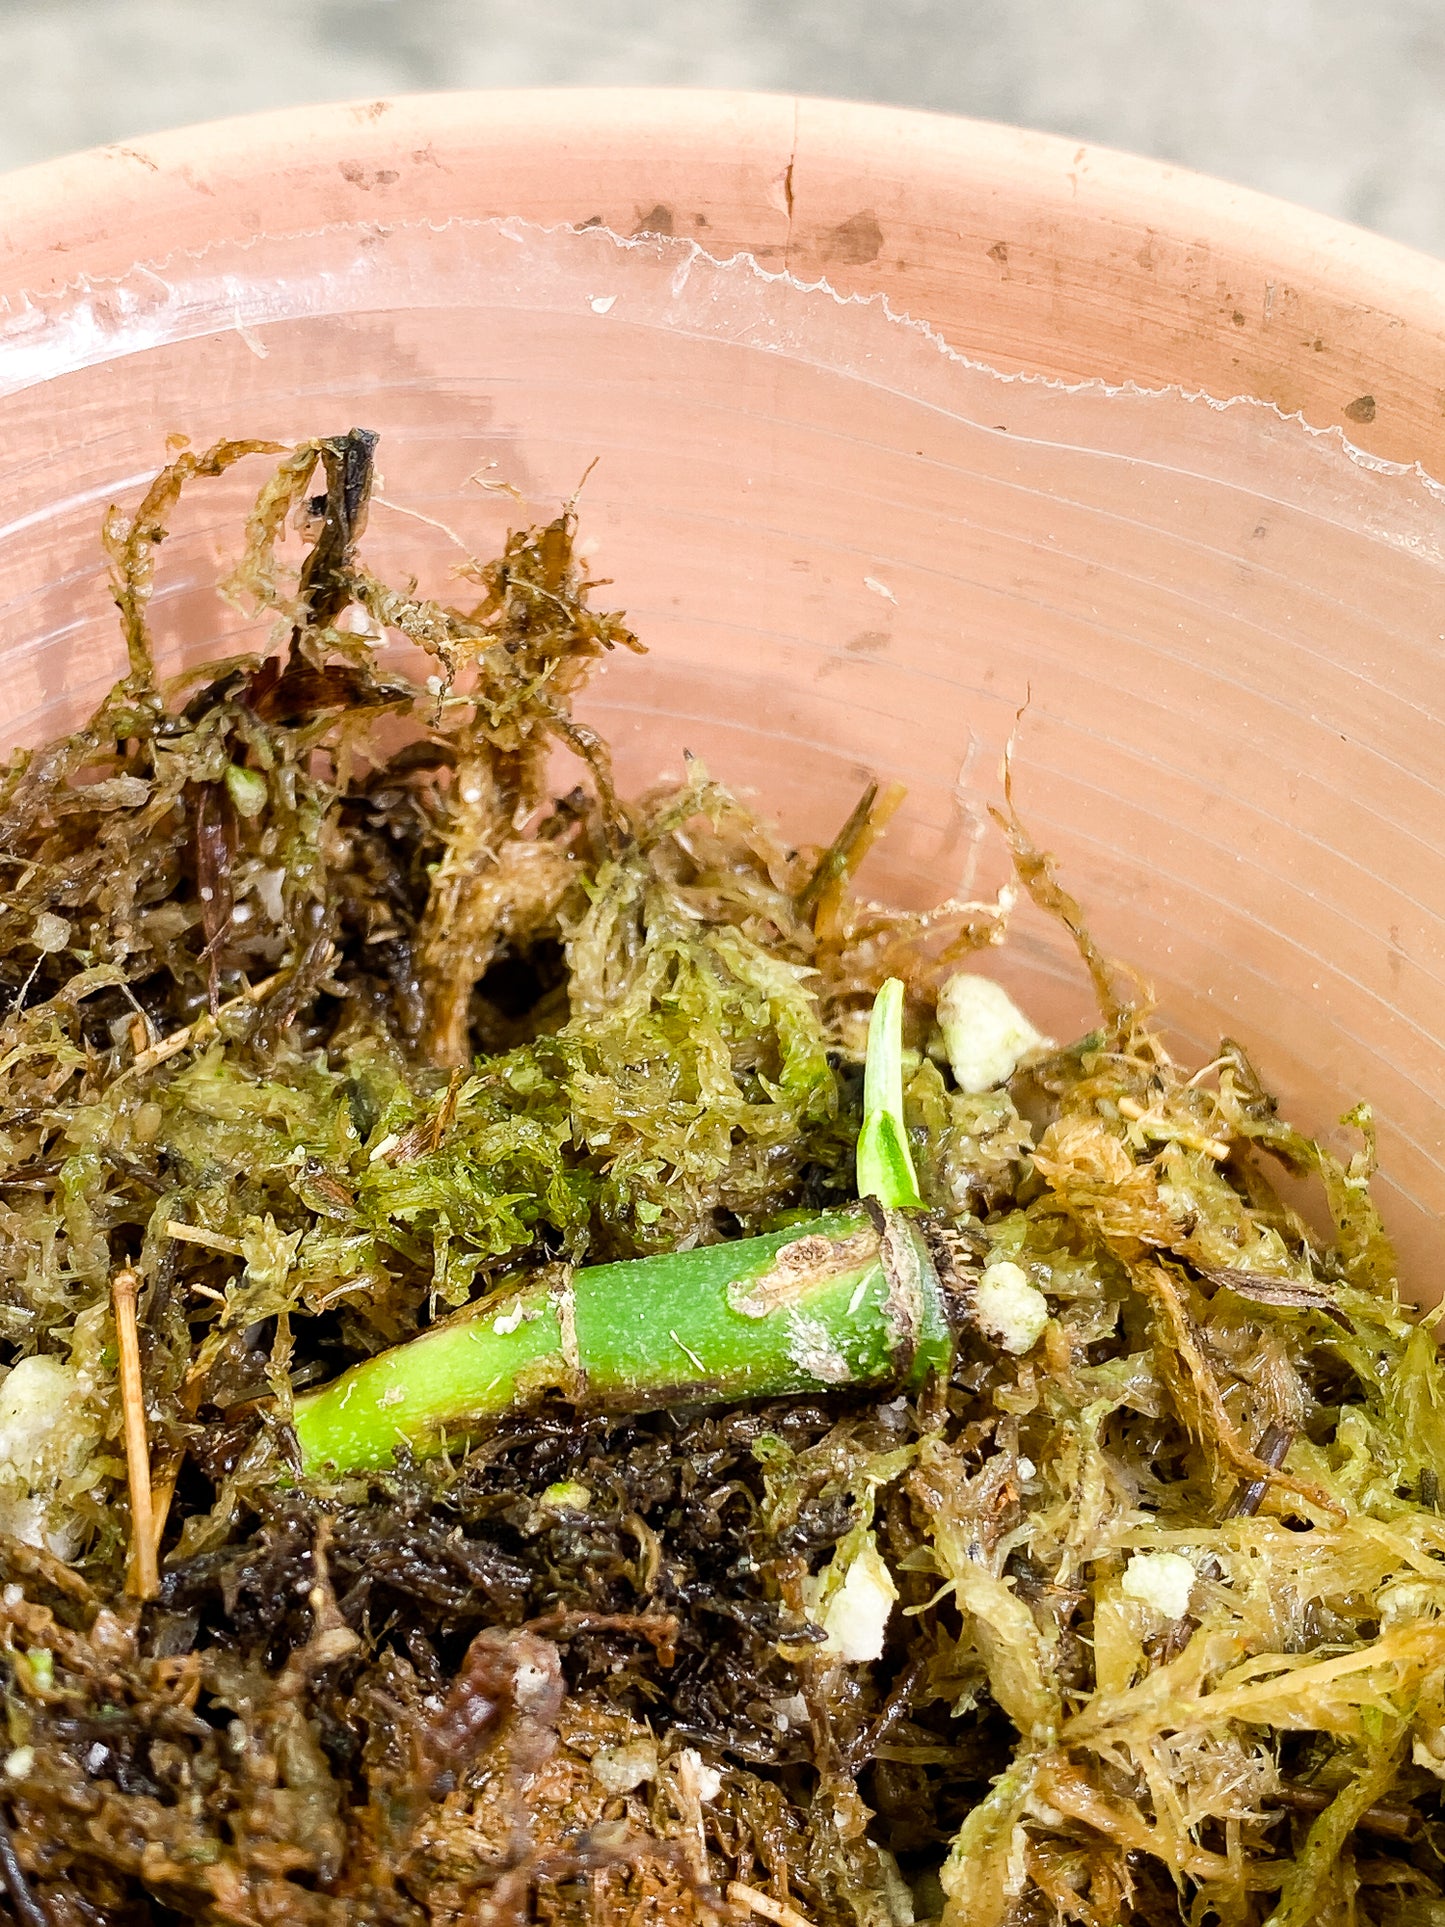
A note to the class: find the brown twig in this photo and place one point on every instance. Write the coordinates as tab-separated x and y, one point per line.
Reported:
864	1745
162	1494
1212	1420
658	1629
821	897
748	1900
199	1030
199	1234
143	1578
447	1110
835	860
1392	1823
1272	1451
1249	1496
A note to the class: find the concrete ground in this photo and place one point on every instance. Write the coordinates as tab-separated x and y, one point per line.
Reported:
1336	103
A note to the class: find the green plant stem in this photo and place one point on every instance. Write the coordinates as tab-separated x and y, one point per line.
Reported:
829	1303
847	1299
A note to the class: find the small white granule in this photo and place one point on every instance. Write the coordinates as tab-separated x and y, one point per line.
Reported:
19	1762
46	1438
855	1614
530	1685
706	1780
985	1033
618	1769
517	1313
51	933
790	1711
1163	1580
1011	1311
267	885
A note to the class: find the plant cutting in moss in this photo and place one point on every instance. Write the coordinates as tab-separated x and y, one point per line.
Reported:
831	1302
954	1485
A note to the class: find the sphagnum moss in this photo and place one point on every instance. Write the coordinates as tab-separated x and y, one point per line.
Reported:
331	1018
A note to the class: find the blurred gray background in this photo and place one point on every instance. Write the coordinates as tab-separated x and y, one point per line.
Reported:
1336	103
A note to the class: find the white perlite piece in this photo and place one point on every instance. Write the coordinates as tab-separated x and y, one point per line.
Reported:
618	1769
531	1685
1011	1311
854	1614
985	1033
704	1779
46	1437
1163	1580
51	933
790	1711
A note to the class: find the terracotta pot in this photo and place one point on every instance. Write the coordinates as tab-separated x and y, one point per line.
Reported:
851	550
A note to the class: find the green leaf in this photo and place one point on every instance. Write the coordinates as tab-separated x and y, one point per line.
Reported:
885	1163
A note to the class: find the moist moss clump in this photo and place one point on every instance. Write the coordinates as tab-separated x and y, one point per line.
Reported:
330	1014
